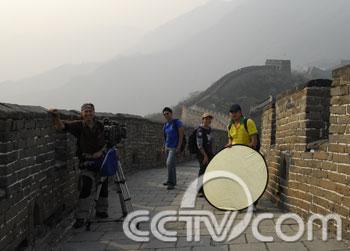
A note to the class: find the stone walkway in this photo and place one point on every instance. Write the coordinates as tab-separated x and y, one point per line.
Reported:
149	193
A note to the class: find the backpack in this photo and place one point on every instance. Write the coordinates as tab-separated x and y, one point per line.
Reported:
183	145
192	142
245	122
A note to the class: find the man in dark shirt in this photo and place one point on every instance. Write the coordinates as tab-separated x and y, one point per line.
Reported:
205	146
90	147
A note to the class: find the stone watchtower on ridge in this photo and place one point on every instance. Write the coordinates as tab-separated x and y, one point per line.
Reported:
280	65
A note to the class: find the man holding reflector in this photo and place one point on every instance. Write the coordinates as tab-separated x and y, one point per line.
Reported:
242	130
240	166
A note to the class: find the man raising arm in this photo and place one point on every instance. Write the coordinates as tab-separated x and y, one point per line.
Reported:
89	133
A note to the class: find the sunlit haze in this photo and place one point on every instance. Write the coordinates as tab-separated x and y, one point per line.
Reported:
37	35
137	56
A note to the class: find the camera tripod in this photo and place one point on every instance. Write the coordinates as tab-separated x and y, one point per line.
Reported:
122	191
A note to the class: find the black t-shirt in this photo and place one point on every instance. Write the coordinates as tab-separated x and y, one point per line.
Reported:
204	140
89	140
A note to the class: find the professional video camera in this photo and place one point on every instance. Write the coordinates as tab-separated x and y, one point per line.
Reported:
114	133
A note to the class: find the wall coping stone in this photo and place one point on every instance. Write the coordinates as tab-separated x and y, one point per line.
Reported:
15	111
311	83
340	71
321	83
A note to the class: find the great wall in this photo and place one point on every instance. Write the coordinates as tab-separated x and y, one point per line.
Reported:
39	170
211	102
305	139
192	117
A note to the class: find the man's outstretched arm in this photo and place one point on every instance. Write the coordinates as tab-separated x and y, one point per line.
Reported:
58	123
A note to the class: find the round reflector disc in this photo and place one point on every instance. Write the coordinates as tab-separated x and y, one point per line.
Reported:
248	166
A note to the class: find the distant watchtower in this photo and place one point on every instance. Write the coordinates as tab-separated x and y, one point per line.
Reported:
280	65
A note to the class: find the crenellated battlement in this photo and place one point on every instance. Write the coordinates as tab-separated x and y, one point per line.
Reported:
305	140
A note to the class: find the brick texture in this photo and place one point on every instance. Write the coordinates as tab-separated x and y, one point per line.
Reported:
39	170
310	125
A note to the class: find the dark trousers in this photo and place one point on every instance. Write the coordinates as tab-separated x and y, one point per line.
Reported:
86	186
202	167
88	182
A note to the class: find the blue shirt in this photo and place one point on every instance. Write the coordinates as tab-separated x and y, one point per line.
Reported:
171	133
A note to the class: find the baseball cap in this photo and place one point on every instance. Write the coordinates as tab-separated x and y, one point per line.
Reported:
206	115
235	108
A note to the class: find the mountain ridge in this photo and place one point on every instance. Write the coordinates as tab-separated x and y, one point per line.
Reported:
247	35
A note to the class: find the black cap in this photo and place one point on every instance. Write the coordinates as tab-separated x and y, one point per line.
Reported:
167	109
235	108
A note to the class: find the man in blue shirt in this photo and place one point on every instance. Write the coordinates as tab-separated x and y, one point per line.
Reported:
173	138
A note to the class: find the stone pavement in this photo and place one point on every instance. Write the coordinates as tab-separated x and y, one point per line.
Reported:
149	193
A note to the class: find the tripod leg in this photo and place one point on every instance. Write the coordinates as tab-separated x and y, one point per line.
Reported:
121	195
122	189
125	189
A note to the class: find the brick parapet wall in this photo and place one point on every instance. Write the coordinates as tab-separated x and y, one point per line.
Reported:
309	165
38	173
39	169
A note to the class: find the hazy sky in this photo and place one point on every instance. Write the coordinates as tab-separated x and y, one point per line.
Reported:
36	35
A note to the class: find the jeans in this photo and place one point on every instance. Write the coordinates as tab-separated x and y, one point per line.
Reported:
171	165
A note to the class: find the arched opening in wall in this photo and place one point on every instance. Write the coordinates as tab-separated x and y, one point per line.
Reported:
38	226
134	158
318	105
283	176
36	215
23	245
158	156
273	127
284	173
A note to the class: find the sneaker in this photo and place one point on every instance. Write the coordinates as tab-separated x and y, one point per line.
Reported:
78	223
102	215
165	184
170	187
255	208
